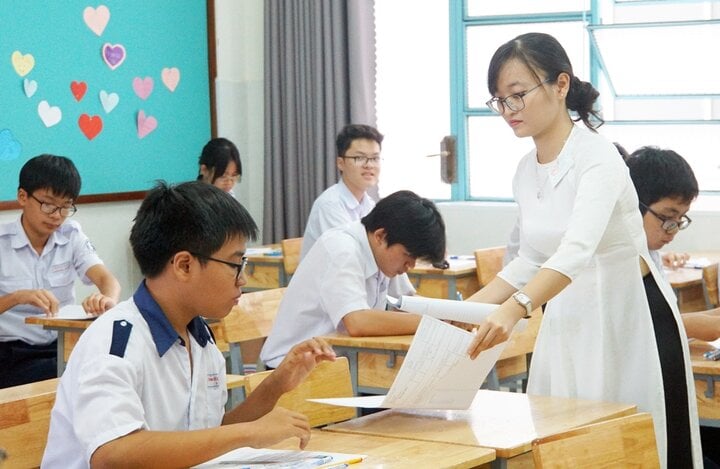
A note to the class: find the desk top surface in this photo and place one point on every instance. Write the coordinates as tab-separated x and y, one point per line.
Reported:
395	453
388	342
457	267
507	422
699	363
59	323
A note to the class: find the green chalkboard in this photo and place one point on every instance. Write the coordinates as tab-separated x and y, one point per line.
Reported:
120	87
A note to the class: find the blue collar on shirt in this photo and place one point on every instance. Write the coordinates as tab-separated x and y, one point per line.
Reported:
162	331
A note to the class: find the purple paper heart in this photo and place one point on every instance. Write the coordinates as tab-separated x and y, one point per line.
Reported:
113	55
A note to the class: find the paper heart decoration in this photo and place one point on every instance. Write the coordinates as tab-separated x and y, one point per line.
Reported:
145	125
96	18
50	115
30	87
109	100
113	55
90	125
78	89
170	77
143	86
9	147
22	63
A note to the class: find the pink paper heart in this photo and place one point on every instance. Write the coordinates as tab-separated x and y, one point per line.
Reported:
113	55
145	125
170	77
143	86
96	19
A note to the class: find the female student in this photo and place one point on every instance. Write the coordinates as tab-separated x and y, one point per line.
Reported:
609	331
220	164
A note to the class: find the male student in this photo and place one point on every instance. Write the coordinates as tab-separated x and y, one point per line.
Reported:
42	254
145	385
666	187
342	283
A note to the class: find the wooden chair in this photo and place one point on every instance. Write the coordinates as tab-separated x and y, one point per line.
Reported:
710	285
291	255
328	379
489	262
25	421
622	442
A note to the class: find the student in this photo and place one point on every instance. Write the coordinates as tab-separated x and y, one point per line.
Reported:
220	164
342	283
43	253
145	385
583	251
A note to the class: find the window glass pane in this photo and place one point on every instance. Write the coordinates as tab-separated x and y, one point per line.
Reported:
493	154
643	11
697	143
523	7
483	41
412	93
675	64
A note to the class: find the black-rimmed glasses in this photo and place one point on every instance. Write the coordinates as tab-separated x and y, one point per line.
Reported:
668	224
50	208
239	268
514	102
365	160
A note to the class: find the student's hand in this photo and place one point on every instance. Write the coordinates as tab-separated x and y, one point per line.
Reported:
675	260
494	330
97	303
280	424
43	299
300	361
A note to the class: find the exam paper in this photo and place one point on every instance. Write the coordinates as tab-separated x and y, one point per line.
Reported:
450	310
437	372
73	312
280	459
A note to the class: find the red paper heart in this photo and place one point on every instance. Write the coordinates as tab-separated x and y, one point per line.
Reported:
78	89
90	125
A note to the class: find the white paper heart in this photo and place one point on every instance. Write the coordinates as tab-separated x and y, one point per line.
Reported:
96	18
30	87
109	100
50	115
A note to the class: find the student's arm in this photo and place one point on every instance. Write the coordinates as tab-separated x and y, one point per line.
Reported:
43	299
497	328
109	290
294	368
373	322
703	325
674	260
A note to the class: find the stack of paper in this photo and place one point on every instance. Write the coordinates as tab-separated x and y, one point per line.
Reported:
252	458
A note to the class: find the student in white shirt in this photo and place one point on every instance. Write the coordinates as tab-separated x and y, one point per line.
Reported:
611	329
145	385
342	283
41	255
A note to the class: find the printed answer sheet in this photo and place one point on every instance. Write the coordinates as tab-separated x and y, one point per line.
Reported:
451	310
437	372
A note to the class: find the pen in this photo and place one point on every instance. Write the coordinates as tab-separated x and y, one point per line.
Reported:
712	354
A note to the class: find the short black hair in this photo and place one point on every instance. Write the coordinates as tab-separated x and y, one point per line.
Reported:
658	174
354	132
56	173
192	216
217	154
412	221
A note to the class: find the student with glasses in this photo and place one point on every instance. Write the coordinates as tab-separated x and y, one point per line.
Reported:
220	165
611	329
42	253
146	385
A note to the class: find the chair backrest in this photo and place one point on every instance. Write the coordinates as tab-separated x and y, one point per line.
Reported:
489	262
253	316
291	254
622	442
328	379
710	284
25	421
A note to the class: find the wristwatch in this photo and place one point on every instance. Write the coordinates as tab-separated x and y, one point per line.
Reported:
523	300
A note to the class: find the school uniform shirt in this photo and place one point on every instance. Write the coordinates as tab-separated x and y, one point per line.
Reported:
67	255
337	206
339	275
129	371
596	340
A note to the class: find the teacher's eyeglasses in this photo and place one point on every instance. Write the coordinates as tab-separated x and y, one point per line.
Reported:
668	224
514	102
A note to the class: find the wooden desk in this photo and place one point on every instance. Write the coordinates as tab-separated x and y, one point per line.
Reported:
265	271
688	283
394	453
504	421
460	277
707	384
